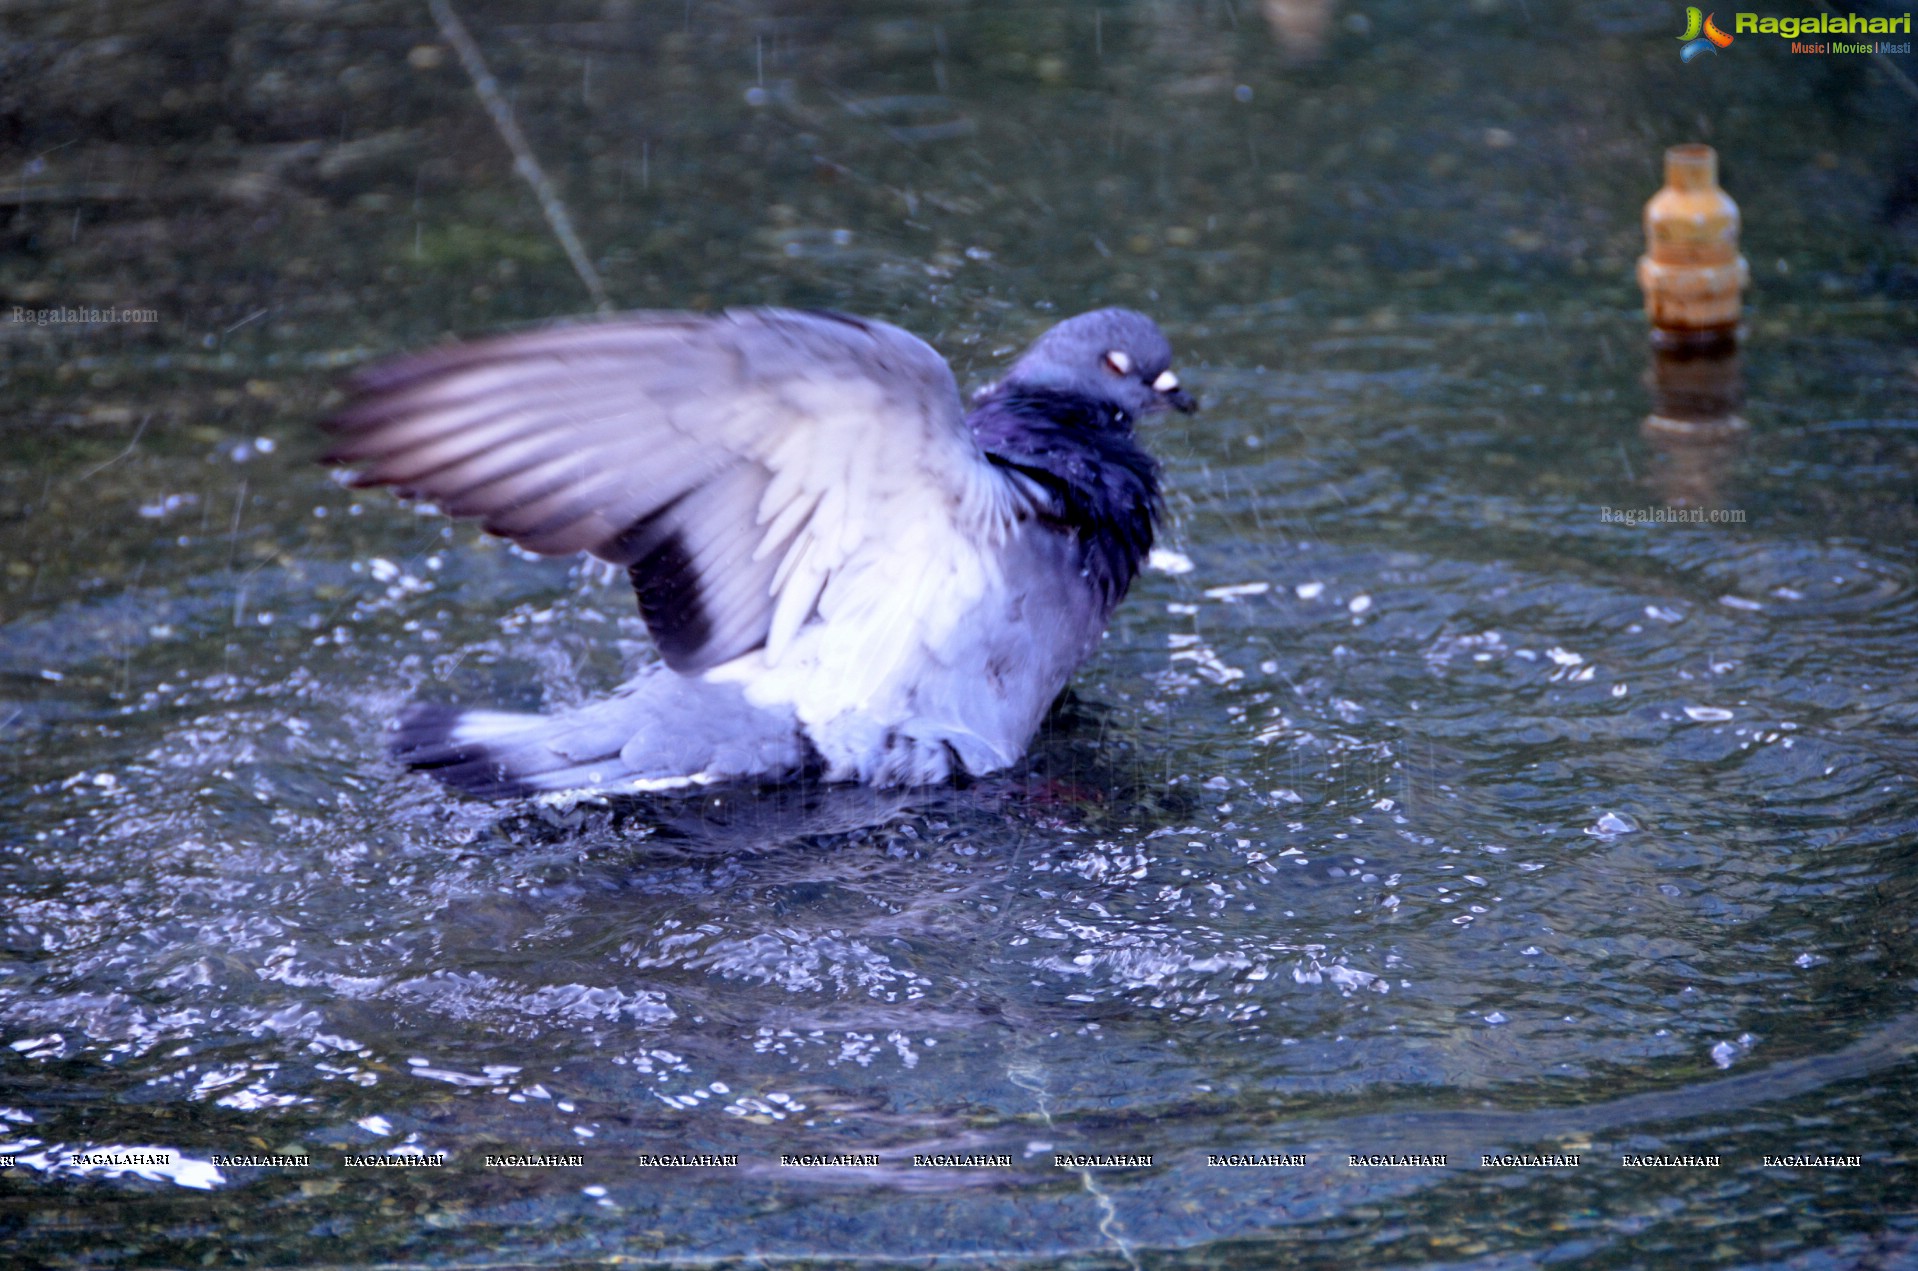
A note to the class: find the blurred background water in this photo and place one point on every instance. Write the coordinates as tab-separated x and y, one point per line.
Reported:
1412	806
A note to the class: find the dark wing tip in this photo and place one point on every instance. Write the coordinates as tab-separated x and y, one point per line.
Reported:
672	597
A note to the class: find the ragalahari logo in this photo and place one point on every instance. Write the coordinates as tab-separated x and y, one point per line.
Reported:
1701	34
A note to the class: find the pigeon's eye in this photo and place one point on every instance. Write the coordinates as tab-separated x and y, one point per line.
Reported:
1118	362
1166	383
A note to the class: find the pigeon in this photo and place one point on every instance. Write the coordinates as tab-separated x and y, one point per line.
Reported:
848	574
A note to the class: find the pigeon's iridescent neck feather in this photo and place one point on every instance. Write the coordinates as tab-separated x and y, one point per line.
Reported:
1082	451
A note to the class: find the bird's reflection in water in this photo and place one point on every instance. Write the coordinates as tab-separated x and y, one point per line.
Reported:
1082	771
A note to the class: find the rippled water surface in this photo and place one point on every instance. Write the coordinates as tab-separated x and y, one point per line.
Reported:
1414	805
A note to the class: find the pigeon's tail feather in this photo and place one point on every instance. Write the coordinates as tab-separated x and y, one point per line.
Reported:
494	754
658	732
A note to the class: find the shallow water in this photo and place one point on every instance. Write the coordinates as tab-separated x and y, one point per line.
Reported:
1412	806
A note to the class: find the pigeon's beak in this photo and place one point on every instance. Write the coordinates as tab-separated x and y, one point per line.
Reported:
1172	393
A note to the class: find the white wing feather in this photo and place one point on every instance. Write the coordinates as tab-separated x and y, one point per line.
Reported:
756	469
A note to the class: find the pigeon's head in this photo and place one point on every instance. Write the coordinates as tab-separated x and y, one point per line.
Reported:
1113	356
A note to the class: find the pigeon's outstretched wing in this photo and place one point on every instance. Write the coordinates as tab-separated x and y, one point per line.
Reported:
735	463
